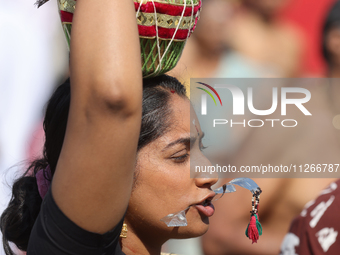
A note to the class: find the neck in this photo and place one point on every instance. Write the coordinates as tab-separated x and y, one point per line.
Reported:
208	55
142	244
204	61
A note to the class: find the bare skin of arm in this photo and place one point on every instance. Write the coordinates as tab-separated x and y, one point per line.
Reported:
93	179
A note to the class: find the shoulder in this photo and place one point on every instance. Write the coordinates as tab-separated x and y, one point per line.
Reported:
55	233
315	230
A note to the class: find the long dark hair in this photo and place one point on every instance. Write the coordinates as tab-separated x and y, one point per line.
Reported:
332	21
17	220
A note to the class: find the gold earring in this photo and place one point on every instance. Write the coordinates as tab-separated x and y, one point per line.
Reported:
124	231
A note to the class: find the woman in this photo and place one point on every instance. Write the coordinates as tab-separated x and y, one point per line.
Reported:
102	173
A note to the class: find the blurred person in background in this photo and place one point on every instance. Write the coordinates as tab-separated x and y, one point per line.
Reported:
258	34
225	43
33	58
308	17
331	41
208	53
285	198
253	32
316	230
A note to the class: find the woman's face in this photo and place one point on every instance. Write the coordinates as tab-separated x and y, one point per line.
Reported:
266	7
163	184
333	44
213	30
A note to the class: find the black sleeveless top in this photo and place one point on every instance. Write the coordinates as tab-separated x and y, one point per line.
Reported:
55	234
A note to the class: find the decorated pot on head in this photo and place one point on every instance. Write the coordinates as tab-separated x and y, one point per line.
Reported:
163	25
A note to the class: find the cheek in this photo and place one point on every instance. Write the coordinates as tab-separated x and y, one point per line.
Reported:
334	44
158	193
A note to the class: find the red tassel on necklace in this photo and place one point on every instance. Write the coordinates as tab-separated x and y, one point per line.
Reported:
251	231
254	228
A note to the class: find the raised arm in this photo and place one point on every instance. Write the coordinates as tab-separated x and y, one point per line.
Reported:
94	174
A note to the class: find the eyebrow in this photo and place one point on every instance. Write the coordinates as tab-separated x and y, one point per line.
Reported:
184	140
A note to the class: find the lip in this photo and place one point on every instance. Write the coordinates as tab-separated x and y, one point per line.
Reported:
208	197
208	209
205	206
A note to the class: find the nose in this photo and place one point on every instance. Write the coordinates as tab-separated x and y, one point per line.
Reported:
204	178
206	181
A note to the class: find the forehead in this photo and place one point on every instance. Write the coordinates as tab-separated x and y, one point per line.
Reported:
182	120
183	117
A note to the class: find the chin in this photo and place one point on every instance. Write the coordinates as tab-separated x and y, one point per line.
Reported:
190	231
197	226
200	230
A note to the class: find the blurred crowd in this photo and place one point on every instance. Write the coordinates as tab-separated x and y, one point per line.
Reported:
233	39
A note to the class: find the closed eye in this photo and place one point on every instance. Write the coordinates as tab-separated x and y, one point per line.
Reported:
181	159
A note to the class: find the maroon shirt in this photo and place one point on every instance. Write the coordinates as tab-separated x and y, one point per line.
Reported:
316	230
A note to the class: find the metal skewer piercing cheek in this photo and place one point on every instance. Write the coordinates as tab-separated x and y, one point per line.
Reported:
254	229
